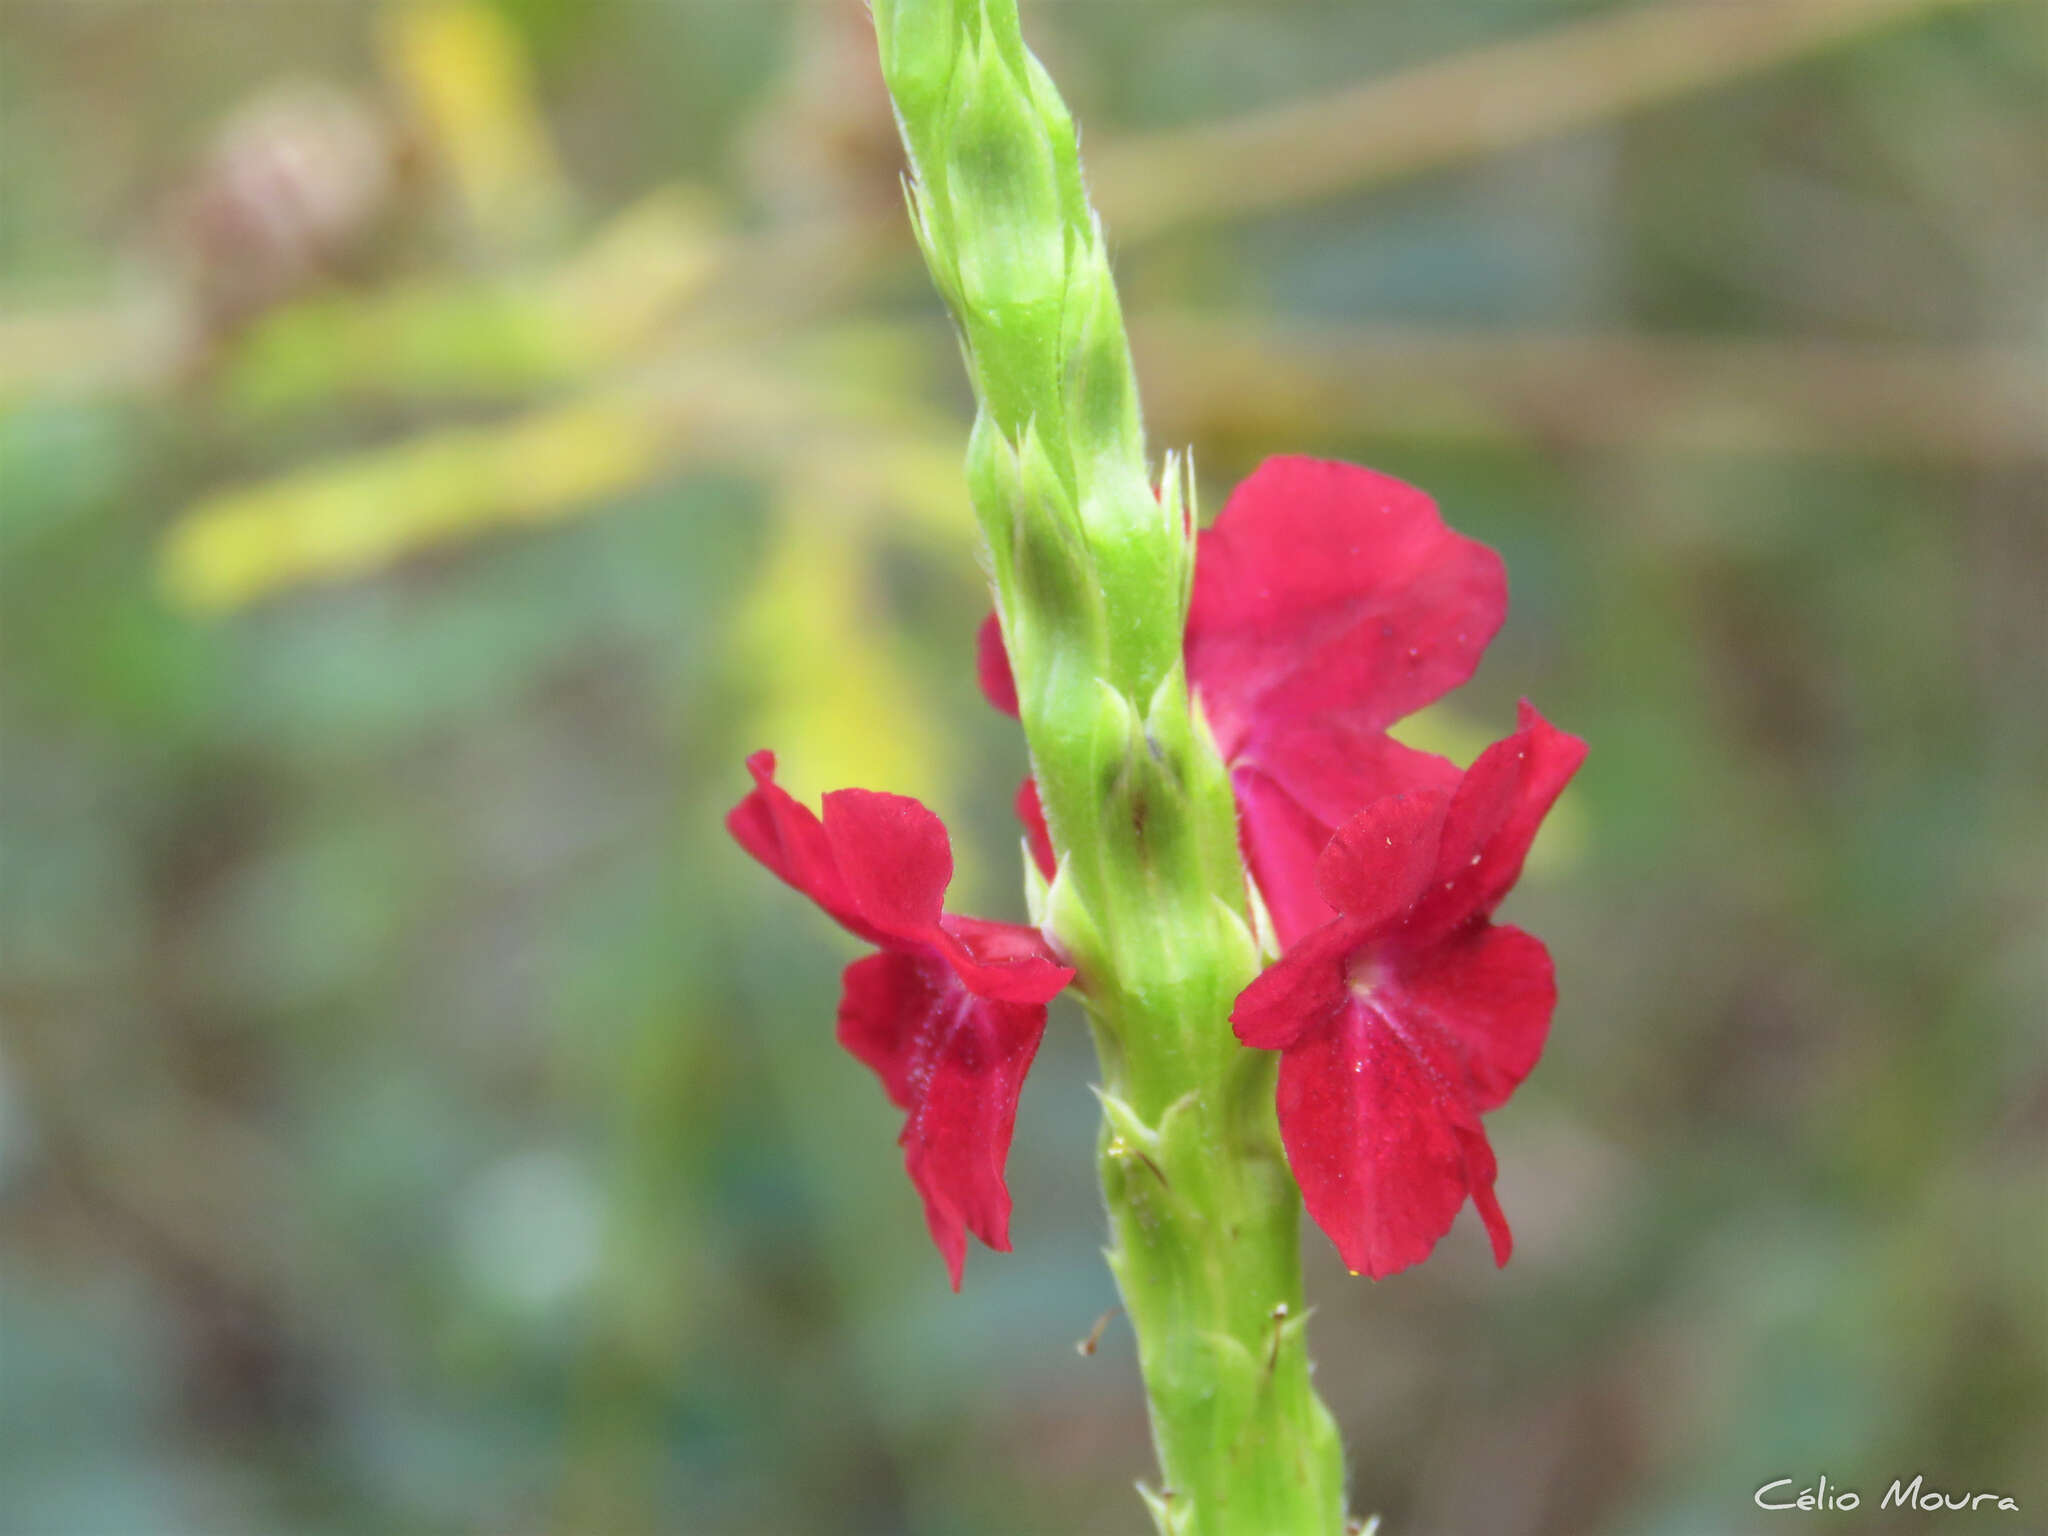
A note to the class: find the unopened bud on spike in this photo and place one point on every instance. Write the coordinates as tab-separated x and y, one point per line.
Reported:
919	47
1005	202
1100	391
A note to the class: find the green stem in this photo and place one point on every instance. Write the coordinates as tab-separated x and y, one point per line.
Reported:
1092	561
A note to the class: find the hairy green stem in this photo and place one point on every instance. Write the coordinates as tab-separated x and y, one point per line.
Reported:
1092	562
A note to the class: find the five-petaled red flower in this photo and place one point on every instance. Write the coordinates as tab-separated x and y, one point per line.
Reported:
1330	602
950	1012
1409	1014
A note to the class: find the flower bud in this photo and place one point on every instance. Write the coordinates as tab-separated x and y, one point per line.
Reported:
1007	228
1100	392
918	45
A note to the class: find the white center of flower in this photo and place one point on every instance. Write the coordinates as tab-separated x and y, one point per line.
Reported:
1365	973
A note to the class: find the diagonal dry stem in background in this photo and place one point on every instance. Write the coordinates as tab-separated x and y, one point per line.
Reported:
1659	394
1212	377
1468	107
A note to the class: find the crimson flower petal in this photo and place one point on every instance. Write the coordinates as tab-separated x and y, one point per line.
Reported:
1300	993
1484	1172
1281	844
1333	768
784	835
956	1062
1381	861
1297	788
1005	962
1494	990
877	997
992	666
1382	1138
1037	836
1494	816
1323	586
894	858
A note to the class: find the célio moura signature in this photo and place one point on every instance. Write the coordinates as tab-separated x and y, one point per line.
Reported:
1782	1495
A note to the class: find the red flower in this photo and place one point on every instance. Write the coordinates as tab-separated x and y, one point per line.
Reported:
1409	1014
1330	601
948	1015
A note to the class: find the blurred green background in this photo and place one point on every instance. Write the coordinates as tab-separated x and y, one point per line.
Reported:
439	440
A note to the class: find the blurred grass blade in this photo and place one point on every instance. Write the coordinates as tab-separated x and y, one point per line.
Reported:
342	519
459	338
